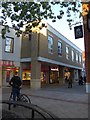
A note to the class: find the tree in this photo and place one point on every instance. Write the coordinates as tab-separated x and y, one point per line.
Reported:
31	14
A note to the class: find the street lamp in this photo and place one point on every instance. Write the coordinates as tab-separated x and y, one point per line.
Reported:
88	21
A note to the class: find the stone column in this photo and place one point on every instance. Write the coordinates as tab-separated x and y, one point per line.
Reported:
47	76
87	54
61	76
72	73
35	64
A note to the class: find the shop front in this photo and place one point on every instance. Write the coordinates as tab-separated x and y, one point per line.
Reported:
26	76
54	75
8	69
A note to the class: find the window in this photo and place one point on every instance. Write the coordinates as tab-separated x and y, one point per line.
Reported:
80	58
59	48
50	44
9	43
77	57
72	55
67	52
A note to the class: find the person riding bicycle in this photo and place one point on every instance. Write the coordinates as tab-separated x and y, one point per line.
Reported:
16	83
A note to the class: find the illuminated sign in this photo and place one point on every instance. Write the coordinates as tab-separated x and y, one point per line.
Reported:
54	69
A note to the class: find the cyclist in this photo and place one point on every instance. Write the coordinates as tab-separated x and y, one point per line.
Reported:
16	83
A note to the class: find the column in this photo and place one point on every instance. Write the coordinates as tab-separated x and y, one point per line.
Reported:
48	75
35	75
35	64
87	54
61	76
72	73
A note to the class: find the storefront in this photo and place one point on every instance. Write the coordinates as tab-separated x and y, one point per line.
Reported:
54	75
49	74
8	69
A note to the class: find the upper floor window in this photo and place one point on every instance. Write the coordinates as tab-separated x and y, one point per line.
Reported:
77	57
72	55
50	44
80	58
59	48
67	52
9	44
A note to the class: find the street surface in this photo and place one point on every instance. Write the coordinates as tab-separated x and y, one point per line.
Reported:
61	101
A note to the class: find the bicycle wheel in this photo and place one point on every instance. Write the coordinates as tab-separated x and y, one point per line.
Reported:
11	97
24	98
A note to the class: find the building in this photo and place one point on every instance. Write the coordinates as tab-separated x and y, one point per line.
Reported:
9	56
42	58
47	57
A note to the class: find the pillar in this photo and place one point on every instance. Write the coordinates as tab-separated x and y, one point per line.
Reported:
61	75
47	75
35	75
87	54
35	64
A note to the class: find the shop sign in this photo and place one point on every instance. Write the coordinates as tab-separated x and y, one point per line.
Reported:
54	69
78	30
7	63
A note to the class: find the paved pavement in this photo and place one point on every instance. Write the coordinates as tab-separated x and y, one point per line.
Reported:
61	101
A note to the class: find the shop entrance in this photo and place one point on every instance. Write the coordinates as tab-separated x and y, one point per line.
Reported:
54	75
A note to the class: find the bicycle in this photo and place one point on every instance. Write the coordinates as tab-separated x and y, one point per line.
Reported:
21	98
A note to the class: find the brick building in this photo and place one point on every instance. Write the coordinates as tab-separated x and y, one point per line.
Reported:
42	58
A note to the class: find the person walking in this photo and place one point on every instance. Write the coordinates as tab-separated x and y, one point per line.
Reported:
81	80
70	82
16	83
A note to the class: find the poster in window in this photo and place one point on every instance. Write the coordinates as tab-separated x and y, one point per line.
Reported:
9	43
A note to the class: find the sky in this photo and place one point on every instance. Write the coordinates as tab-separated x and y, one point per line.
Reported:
63	27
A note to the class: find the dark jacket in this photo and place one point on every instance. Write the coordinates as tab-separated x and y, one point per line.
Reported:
15	82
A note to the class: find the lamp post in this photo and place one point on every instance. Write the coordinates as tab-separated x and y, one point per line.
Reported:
88	21
86	17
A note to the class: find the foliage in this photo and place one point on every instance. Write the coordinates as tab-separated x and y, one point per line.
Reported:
31	14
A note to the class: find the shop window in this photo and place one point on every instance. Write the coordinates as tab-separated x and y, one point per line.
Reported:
9	44
50	44
43	77
26	75
59	48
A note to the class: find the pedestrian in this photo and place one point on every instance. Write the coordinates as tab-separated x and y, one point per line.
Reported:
81	80
70	82
16	83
